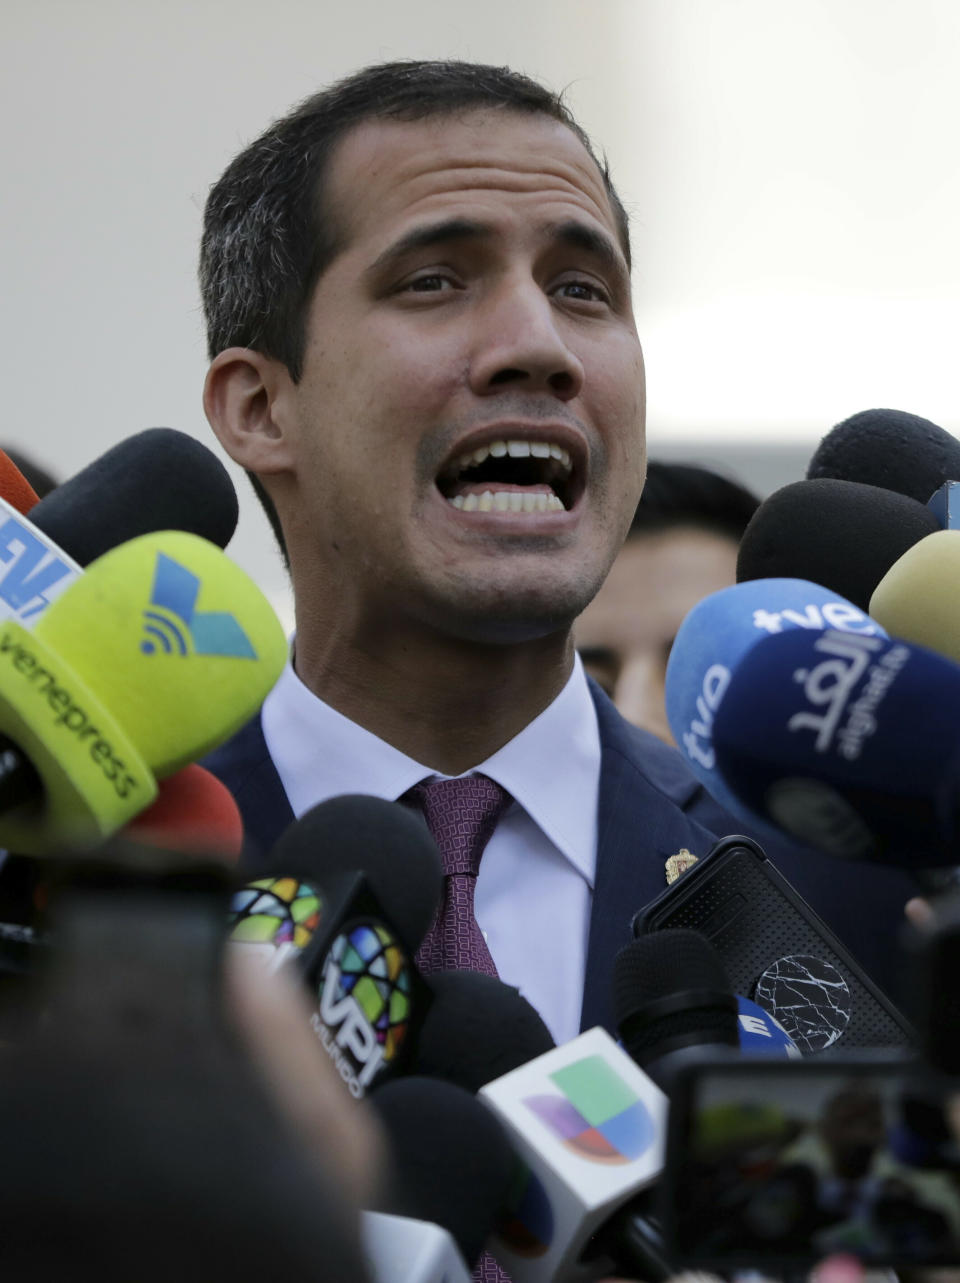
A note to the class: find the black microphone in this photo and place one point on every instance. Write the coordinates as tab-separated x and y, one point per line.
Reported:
889	448
347	894
840	534
158	479
477	1028
452	1162
673	1002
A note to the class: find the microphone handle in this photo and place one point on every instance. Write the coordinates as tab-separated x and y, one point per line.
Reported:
633	1242
19	780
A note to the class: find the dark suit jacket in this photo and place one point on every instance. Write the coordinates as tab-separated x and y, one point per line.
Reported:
650	806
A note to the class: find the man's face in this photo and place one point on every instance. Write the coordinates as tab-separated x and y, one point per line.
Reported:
626	632
468	429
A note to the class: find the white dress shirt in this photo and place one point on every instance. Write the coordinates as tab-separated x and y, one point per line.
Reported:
537	871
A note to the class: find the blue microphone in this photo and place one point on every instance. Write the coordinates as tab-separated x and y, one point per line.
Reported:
713	639
849	742
761	1035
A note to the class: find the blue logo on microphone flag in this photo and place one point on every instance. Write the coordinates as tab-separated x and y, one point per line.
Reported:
175	618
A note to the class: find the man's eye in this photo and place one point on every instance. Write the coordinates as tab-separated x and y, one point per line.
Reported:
432	283
583	291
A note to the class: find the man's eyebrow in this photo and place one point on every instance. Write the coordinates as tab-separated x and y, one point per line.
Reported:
428	237
582	236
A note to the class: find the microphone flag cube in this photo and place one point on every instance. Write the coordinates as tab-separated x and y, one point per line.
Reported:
588	1126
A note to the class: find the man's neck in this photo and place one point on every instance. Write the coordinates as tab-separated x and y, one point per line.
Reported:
448	704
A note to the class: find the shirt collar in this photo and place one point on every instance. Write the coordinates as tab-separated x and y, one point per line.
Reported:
551	768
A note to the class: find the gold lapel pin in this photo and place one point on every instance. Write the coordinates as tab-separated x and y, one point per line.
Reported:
678	864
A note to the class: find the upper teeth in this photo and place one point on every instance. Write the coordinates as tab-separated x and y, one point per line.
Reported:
516	450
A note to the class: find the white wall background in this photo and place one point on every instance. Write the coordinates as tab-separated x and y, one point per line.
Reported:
791	166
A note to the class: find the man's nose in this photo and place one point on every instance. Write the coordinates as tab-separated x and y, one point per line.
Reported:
521	344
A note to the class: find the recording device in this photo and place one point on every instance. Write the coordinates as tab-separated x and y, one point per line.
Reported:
405	1249
157	653
776	951
157	480
847	742
137	950
15	489
917	600
476	1029
319	906
193	811
193	814
673	999
773	1165
714	638
451	1167
890	449
589	1127
842	534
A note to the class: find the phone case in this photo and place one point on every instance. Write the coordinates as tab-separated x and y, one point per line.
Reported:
777	951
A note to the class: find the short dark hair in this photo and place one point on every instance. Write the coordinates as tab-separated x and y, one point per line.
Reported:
683	494
267	236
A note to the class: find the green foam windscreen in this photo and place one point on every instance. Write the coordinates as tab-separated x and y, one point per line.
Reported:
174	638
917	598
158	653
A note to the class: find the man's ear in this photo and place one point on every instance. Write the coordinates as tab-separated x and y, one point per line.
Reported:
246	398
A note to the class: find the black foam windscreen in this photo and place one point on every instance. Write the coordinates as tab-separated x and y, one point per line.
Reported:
477	1029
668	987
452	1162
889	448
388	842
843	535
158	479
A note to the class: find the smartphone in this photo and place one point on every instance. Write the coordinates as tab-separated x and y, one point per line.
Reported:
774	1165
777	951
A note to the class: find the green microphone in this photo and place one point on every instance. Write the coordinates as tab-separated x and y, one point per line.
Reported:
157	654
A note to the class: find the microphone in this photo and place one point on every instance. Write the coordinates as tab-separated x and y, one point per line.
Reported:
889	448
917	598
193	812
453	1167
355	831
477	1029
847	742
588	1126
320	905
760	1034
673	1001
15	489
713	639
842	534
157	480
404	1249
155	655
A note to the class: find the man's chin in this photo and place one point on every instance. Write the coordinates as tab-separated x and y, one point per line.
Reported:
510	615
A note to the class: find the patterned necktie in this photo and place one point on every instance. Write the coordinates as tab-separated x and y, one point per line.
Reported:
461	814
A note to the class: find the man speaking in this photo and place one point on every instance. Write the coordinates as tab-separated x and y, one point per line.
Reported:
417	293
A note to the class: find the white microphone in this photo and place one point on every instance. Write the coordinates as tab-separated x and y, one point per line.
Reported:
400	1249
589	1126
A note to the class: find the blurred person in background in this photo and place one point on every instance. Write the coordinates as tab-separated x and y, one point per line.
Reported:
681	546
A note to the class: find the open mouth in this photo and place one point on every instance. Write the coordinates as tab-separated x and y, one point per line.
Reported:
511	476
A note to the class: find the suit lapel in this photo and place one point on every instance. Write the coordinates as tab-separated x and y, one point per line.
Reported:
645	789
247	769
